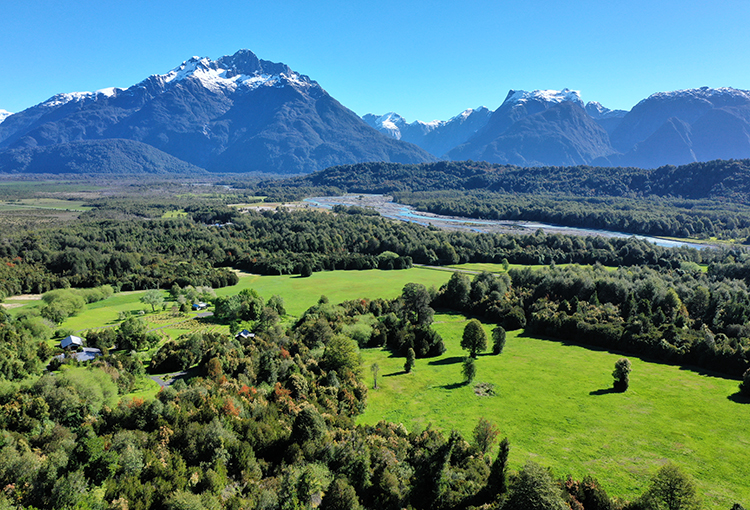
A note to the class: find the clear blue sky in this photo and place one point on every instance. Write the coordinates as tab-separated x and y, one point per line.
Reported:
423	59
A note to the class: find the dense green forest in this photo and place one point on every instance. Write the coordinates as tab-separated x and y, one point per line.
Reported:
140	253
698	200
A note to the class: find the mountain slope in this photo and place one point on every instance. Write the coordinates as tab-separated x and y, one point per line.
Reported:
687	105
536	132
94	157
235	114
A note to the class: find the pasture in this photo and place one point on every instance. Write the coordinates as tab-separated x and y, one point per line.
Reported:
554	403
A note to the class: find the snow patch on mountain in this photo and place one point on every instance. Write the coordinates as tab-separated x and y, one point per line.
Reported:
597	111
69	97
4	114
216	78
461	117
703	92
545	96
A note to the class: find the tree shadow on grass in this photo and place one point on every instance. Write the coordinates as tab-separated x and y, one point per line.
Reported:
739	398
604	391
454	385
447	361
400	372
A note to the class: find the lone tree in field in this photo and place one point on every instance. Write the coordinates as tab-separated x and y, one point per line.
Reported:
498	340
475	338
154	298
375	369
410	357
622	374
469	369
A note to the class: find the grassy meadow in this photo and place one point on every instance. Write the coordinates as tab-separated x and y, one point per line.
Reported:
301	293
553	401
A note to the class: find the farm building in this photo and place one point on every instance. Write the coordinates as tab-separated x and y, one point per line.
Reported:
244	335
71	342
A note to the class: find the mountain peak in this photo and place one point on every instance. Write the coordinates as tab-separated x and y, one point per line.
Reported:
515	97
243	70
461	117
597	111
4	114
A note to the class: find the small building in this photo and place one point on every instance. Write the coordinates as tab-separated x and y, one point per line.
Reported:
71	342
87	354
244	335
200	306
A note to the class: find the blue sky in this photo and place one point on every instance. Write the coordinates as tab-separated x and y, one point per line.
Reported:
424	60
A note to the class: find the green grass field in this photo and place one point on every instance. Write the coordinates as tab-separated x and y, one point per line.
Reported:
301	293
43	203
552	402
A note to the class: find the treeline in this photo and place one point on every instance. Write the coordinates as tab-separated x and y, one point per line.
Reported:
707	199
653	216
682	316
719	179
198	250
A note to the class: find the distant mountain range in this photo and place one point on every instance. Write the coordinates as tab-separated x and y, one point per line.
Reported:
547	127
234	114
242	114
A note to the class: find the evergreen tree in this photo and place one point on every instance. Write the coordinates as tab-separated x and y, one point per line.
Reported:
469	370
497	483
409	364
498	340
474	338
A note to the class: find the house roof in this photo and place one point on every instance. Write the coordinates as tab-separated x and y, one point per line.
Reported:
87	354
71	340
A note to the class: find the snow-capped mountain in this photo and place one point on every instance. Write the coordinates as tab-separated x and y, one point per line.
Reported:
239	113
545	97
234	114
687	105
684	126
541	127
436	137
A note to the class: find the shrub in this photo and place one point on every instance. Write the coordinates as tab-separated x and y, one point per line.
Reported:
622	374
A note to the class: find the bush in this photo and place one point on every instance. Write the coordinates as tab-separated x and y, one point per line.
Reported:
622	374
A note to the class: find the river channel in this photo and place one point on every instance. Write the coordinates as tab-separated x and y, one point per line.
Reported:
385	205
